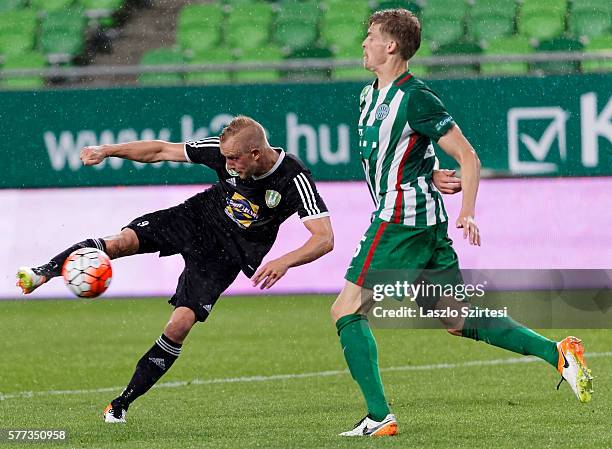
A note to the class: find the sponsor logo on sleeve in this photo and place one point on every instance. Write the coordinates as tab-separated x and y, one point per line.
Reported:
442	123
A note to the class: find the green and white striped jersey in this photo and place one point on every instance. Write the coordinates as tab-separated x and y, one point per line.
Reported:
396	127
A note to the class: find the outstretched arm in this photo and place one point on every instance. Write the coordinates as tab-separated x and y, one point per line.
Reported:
140	151
456	145
320	243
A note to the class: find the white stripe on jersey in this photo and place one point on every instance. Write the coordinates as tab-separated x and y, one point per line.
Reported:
385	131
382	93
208	142
308	198
430	205
395	163
409	205
387	213
439	201
312	194
313	217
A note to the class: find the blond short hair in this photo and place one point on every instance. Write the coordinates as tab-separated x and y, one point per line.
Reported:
403	27
246	133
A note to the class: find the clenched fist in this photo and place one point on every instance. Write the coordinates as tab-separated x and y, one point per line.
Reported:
92	155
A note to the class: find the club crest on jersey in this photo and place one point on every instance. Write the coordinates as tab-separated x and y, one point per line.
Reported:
382	111
231	171
272	198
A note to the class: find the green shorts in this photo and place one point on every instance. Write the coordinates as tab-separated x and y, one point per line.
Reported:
389	251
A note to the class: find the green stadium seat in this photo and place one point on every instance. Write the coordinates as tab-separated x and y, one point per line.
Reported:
350	73
18	30
16	43
198	38
63	33
351	3
51	5
199	27
506	8
558	7
418	69
441	29
346	11
559	44
108	5
12	5
200	15
21	22
247	35
250	13
235	3
264	54
457	48
219	55
593	5
507	46
343	34
61	47
590	23
294	10
24	61
595	45
248	25
457	8
541	26
161	56
295	34
490	26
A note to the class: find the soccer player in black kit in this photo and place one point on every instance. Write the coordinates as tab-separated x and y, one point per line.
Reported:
219	232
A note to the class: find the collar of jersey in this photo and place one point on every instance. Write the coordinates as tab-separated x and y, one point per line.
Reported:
281	156
392	83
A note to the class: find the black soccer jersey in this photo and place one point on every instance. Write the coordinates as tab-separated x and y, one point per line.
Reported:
250	211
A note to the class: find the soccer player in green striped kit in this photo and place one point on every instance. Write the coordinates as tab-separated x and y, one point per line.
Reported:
399	119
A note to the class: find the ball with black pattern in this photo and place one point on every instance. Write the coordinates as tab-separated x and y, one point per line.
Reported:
87	272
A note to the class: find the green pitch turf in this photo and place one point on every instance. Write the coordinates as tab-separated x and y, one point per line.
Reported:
223	393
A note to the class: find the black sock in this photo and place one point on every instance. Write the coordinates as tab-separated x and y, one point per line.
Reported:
149	369
53	268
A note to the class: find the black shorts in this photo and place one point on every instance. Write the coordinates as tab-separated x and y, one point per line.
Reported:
209	267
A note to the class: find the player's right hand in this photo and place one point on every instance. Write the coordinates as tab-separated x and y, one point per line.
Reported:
470	228
92	155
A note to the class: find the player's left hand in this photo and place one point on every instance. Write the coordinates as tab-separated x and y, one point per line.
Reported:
470	228
446	181
270	273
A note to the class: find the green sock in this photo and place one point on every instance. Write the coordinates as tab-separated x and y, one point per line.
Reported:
506	333
361	356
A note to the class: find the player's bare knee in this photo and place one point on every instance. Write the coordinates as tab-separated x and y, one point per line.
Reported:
335	310
177	331
352	299
181	322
